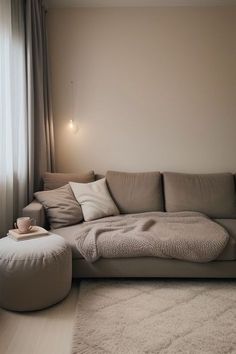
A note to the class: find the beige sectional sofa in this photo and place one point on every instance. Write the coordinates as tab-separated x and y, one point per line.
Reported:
211	194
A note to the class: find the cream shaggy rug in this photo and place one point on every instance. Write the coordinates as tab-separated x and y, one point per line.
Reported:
155	316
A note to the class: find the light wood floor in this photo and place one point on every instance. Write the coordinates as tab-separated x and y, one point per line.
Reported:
42	332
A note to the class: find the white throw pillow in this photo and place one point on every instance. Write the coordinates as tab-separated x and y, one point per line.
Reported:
95	199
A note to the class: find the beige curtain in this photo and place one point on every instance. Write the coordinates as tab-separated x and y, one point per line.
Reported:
13	115
26	123
39	110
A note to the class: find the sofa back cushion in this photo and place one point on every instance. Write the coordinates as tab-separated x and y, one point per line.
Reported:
211	194
57	180
136	192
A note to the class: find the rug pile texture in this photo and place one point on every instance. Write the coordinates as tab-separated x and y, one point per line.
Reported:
155	316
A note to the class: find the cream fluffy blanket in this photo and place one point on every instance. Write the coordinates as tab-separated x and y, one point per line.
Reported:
187	236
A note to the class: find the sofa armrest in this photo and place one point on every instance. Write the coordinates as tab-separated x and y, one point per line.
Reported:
35	210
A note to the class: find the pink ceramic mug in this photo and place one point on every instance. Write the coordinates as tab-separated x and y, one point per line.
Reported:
24	224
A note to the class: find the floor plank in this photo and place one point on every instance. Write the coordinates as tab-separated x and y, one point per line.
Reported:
48	331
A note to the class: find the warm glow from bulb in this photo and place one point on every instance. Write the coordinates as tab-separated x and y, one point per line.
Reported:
71	124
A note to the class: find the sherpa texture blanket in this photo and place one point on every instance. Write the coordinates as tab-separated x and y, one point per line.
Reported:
186	236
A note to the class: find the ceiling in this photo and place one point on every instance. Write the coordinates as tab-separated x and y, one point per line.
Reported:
136	3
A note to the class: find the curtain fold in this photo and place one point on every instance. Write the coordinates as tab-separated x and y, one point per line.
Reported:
26	122
13	115
40	117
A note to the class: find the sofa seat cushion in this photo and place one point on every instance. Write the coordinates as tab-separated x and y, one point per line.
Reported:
69	233
136	192
229	253
210	194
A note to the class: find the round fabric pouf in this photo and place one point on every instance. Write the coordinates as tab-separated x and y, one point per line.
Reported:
35	273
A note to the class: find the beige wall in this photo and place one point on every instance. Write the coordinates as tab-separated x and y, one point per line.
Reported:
154	88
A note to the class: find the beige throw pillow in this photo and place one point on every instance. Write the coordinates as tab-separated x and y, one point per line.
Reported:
94	199
61	207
